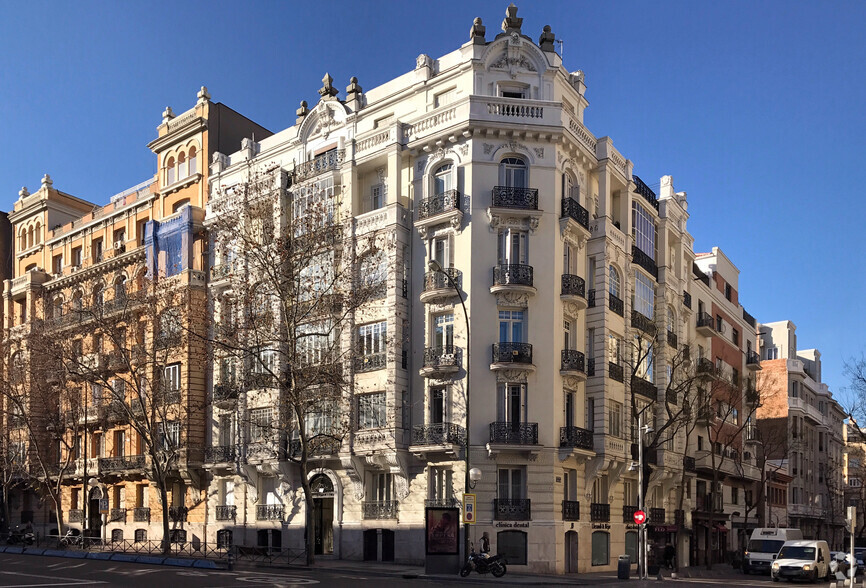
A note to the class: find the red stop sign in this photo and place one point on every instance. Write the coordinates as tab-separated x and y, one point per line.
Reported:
639	517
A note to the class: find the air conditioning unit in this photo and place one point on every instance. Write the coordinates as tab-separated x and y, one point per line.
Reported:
119	246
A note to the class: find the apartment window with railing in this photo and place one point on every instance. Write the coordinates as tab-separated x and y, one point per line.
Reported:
171	378
168	434
372	340
511	483
614	418
261	424
643	230
372	411
613	284
511	403
313	206
441	486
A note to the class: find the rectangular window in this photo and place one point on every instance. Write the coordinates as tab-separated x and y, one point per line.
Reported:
372	339
441	486
440	250
614	349
438	405
511	326
383	487
443	334
169	435
735	337
313	206
76	256
772	353
511	482
377	197
614	418
590	414
443	98
727	291
700	443
569	484
511	404
57	264
512	247
265	361
644	295
119	444
643	229
261	424
371	411
171	377
735	496
96	249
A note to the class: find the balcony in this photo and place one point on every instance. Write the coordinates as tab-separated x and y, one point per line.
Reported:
438	287
645	324
225	392
141	514
689	464
672	340
329	161
448	201
645	261
705	367
320	445
438	434
220	272
512	509
657	516
514	433
117	515
572	209
508	355
573	364
644	388
570	510
441	362
226	512
753	360
576	437
379	509
512	278
615	304
646	192
371	362
628	513
220	454
599	513
76	515
269	512
121	464
514	197
178	514
573	290
706	324
442	503
615	372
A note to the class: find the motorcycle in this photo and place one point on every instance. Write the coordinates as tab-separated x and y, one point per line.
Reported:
22	536
72	538
482	565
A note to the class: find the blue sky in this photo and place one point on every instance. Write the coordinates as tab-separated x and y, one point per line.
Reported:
755	109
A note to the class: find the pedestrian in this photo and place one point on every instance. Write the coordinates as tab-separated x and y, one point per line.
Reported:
670	553
485	544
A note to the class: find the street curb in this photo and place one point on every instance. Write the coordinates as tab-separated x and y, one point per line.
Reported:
97	555
150	559
174	561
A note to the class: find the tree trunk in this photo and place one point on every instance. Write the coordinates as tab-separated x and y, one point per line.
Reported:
166	532
309	537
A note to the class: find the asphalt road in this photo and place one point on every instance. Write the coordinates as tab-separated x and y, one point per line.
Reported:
36	571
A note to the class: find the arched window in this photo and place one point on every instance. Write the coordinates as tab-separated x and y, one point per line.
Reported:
57	307
613	282
512	172
443	179
572	189
193	163
77	302
672	320
22	240
169	172
181	166
98	297
30	237
120	288
179	204
38	233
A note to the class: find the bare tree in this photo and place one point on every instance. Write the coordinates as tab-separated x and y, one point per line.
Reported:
300	274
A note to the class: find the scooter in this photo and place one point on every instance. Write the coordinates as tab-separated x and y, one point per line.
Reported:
22	536
482	565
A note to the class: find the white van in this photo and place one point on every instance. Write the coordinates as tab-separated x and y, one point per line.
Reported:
807	560
764	544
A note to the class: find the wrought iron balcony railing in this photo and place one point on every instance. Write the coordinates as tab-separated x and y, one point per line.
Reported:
380	509
752	358
329	161
645	191
705	366
442	503
705	320
120	464
438	434
318	445
226	512
570	510
178	514
512	275
687	299
439	281
573	361
444	202
645	324
444	356
512	509
657	516
141	514
76	515
507	352
599	512
117	515
672	339
644	388
615	371
615	304
575	437
514	433
628	511
371	362
514	197
573	286
226	390
639	257
571	208
220	454
269	512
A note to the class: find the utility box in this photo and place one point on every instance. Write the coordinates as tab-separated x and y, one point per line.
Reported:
623	567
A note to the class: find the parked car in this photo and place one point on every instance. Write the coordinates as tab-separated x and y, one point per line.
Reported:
859	557
764	544
805	560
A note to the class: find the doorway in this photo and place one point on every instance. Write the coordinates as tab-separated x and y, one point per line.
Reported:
323	515
94	517
571	553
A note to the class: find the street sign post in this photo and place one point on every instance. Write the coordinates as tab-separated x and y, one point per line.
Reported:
639	517
103	506
469	509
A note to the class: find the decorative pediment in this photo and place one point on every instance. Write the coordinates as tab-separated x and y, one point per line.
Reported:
512	299
328	115
512	376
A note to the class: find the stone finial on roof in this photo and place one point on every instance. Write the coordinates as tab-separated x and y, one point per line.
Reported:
47	182
511	24
545	41
203	95
302	112
477	32
327	90
23	193
167	114
353	88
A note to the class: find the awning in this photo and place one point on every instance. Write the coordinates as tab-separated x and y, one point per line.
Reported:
664	528
721	528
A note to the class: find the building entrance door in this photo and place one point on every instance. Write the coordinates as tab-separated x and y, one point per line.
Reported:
94	517
571	552
323	515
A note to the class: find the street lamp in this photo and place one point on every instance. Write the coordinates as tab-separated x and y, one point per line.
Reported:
473	476
642	543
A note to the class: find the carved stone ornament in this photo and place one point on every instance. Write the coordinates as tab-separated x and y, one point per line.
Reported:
488	148
421	164
512	299
353	470
539	152
572	382
325	122
464	150
515	376
572	308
